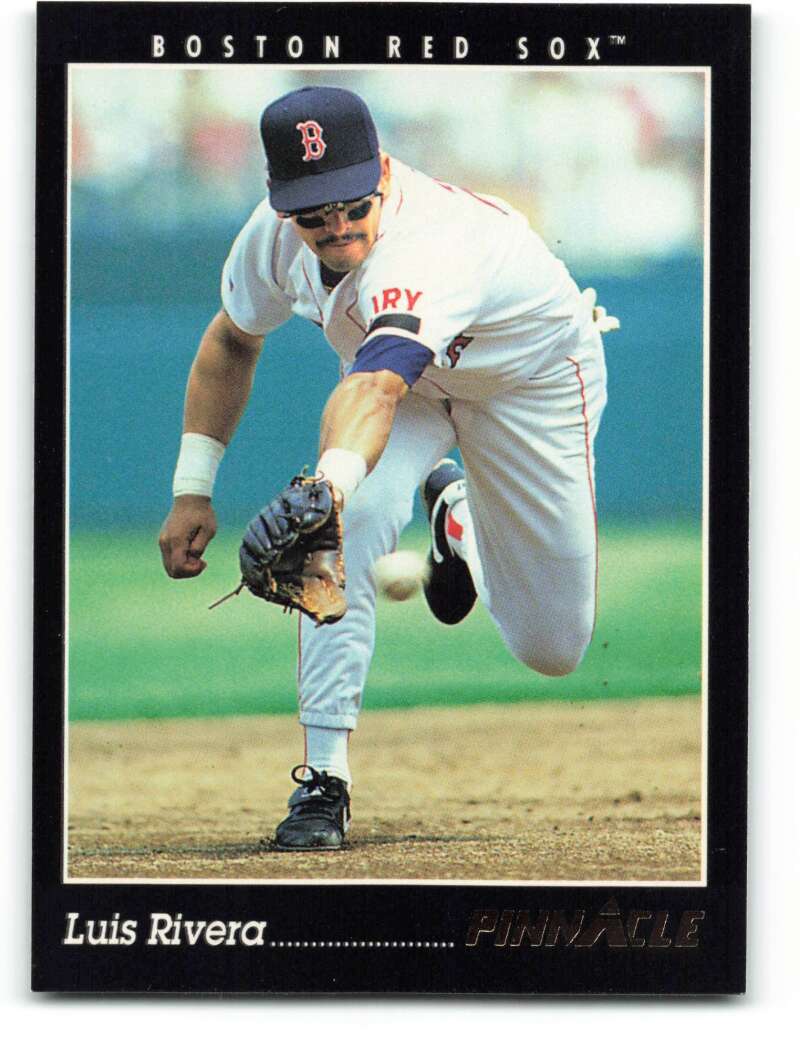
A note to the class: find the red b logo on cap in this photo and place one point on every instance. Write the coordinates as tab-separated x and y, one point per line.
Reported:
312	139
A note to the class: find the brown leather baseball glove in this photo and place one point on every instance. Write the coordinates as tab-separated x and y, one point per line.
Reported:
291	553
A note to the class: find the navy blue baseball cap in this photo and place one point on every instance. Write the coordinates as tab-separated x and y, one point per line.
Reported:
321	147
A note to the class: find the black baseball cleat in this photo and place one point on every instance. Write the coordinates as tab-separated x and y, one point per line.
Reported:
319	813
449	590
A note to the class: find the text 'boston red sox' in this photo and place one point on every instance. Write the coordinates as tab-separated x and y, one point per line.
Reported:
333	48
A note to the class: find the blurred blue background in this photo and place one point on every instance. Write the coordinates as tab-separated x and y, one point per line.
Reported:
166	167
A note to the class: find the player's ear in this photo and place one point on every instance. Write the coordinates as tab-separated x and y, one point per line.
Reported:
386	172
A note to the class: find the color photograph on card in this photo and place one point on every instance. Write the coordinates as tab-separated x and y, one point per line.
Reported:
527	742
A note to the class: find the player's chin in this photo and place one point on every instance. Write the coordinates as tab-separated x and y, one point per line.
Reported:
343	257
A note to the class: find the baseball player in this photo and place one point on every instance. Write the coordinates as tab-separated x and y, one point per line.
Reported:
455	326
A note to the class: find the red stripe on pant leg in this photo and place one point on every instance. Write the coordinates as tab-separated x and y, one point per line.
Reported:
587	441
299	656
299	670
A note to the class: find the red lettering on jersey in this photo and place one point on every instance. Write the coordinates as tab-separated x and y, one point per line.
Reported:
456	347
391	296
312	139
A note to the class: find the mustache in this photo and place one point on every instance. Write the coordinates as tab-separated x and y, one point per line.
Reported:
327	240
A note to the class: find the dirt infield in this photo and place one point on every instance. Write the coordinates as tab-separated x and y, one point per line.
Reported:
536	791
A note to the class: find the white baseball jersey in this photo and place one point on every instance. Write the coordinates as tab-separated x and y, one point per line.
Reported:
462	274
466	277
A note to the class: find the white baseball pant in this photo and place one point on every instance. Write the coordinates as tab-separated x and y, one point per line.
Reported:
529	462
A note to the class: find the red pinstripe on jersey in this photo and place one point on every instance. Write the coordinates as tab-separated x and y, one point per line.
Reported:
469	192
424	378
274	259
487	202
311	289
350	316
396	211
588	446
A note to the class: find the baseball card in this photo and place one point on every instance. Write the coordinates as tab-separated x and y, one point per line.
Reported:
391	624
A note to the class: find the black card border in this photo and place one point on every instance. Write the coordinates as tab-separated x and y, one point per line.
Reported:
717	36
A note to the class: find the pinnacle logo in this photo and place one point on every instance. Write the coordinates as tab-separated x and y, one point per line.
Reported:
636	929
313	141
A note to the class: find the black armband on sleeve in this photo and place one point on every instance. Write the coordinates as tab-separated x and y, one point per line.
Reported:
388	352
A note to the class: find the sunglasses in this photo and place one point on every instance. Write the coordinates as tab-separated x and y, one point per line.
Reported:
316	217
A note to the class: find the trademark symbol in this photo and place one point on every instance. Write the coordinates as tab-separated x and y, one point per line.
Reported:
617	41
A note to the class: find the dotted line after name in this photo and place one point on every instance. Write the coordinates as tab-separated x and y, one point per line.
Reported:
361	945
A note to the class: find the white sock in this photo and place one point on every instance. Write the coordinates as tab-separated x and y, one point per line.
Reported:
326	750
460	536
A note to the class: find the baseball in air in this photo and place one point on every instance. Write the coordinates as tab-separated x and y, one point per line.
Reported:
400	575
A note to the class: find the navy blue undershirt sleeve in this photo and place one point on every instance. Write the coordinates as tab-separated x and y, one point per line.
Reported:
390	352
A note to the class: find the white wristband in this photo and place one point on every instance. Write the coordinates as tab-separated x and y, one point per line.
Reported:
197	466
344	469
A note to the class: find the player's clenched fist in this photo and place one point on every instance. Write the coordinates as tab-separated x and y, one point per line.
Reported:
187	531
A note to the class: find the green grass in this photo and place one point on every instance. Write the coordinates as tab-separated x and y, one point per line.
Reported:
141	645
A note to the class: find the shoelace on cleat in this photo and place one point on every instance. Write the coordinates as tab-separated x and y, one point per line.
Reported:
328	791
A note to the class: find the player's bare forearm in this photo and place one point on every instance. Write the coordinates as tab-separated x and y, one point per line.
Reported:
359	414
220	379
216	395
